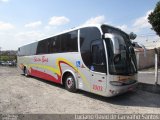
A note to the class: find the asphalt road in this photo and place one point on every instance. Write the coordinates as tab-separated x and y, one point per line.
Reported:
21	95
148	77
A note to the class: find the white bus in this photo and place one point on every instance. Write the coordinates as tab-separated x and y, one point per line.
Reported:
96	58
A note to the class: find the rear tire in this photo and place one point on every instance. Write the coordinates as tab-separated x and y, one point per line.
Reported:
70	83
25	71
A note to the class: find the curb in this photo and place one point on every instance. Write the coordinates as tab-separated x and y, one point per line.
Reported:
149	88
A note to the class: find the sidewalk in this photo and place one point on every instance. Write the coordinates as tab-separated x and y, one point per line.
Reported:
146	80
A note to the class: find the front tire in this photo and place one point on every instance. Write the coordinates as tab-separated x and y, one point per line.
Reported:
70	83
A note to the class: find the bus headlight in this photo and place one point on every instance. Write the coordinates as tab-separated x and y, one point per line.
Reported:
116	83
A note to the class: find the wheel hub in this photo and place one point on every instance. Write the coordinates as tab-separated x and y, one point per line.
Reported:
69	82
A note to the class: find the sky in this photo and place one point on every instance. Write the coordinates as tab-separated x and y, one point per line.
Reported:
25	21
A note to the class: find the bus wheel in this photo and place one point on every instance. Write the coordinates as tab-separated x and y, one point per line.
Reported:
25	71
70	83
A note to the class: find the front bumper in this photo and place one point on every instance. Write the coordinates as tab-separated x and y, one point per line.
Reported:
116	90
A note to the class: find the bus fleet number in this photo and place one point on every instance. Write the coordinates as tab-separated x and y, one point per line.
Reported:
97	87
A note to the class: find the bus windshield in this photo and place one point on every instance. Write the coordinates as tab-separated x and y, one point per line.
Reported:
121	55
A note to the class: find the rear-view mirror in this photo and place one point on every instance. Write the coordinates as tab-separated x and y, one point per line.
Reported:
132	36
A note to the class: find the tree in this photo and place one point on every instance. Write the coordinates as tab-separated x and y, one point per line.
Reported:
154	19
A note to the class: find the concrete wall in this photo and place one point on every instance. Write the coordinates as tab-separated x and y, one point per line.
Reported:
145	60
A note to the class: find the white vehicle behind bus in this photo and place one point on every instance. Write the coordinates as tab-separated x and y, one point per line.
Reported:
96	58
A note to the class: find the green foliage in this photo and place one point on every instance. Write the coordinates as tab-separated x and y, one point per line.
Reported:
7	58
154	19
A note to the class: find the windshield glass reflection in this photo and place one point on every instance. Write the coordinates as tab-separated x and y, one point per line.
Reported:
121	55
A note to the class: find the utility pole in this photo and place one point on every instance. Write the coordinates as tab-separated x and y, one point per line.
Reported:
0	53
156	66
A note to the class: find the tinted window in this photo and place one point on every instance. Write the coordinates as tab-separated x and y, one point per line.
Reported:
87	35
20	51
69	42
62	43
33	48
55	45
43	47
98	56
27	50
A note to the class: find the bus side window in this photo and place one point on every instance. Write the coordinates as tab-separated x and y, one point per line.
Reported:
69	42
42	47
